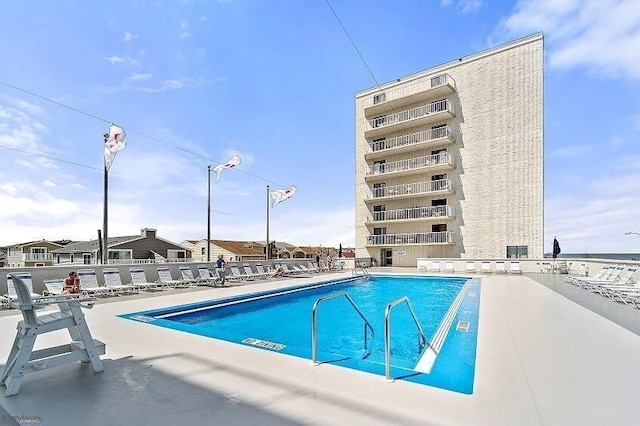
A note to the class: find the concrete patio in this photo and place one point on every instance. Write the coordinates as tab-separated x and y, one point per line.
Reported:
542	359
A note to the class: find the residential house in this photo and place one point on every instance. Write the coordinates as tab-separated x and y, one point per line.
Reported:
146	247
233	251
32	253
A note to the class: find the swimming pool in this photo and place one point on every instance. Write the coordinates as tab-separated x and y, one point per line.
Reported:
446	309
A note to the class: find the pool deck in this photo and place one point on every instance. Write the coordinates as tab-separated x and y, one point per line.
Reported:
541	360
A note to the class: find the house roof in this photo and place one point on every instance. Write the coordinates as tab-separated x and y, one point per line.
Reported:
89	246
238	247
28	243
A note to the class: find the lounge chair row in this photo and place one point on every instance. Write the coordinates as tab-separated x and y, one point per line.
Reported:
615	282
501	267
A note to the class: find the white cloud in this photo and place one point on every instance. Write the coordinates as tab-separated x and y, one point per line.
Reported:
139	76
464	6
601	35
129	36
185	34
114	59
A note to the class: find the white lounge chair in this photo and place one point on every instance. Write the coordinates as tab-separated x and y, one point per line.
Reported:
53	287
435	266
470	267
112	281
24	360
89	283
188	279
139	279
262	272
28	281
249	272
485	267
448	267
514	268
206	277
165	278
500	268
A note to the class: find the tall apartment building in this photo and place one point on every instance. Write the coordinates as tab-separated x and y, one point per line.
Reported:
449	161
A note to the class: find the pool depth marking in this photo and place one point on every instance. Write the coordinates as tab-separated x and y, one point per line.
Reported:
425	363
264	344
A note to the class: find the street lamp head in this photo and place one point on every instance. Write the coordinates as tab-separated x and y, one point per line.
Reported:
632	233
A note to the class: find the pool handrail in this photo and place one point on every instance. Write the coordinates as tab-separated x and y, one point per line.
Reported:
314	328
422	340
361	269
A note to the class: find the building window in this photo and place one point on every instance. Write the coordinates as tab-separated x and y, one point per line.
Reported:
203	251
176	254
438	80
379	121
379	98
517	252
71	258
439	105
379	144
119	254
86	258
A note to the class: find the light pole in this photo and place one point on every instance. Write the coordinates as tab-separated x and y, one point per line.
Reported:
209	213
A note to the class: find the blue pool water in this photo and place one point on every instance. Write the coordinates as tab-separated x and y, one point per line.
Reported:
281	321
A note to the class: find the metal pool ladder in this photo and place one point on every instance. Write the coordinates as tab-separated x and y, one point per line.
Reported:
358	269
314	328
422	340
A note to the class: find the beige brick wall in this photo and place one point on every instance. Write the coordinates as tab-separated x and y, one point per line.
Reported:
498	155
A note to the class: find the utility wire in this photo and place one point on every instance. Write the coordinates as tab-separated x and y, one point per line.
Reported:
37	154
128	129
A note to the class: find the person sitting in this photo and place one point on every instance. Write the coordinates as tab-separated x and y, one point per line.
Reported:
71	284
279	271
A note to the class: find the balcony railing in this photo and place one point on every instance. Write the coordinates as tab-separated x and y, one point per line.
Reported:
425	89
445	237
33	257
411	189
412	139
412	213
442	158
411	114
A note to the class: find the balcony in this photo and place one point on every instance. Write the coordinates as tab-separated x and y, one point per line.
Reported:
381	103
418	189
425	238
37	257
431	163
406	143
415	214
424	114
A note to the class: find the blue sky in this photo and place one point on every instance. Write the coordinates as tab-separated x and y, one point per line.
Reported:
195	82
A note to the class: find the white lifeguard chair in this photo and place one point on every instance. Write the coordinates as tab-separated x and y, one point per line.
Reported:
24	360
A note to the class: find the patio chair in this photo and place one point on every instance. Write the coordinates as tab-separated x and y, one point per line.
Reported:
485	267
139	279
262	272
188	280
206	277
287	271
237	275
435	266
514	268
165	278
28	281
249	272
313	268
470	267
448	267
24	360
500	268
53	287
89	284
112	281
